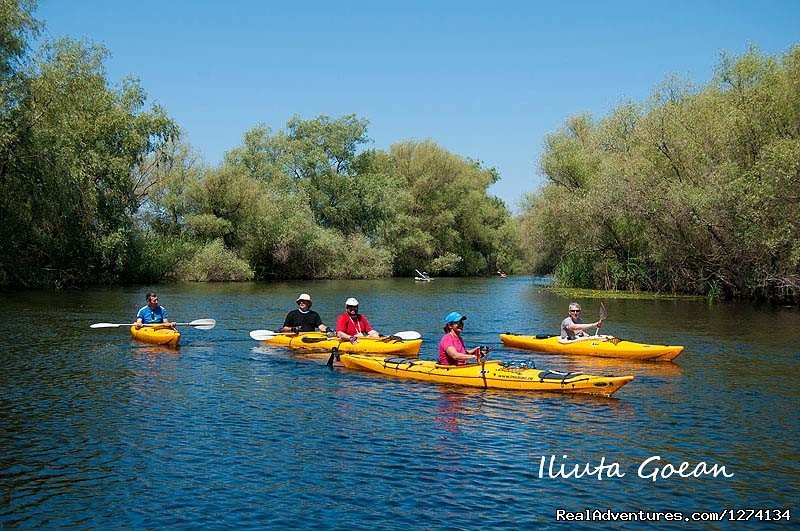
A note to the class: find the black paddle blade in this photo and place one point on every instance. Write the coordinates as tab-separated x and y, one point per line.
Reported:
334	355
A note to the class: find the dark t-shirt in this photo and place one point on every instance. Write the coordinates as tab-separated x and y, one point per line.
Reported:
308	321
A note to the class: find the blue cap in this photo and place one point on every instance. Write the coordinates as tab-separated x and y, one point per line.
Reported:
454	317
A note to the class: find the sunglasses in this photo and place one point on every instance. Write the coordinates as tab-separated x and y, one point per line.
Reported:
352	307
575	311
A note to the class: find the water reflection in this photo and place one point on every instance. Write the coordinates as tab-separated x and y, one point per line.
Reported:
151	352
452	405
224	433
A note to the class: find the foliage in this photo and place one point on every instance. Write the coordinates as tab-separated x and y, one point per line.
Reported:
447	222
214	263
694	191
69	143
317	158
154	257
97	187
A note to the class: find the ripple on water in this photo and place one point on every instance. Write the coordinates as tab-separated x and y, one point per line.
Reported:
100	431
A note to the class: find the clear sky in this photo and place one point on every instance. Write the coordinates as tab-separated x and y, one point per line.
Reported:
485	80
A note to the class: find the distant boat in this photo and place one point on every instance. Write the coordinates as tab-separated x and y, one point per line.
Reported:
502	275
423	276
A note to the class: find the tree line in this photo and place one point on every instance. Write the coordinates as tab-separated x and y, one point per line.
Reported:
694	191
98	187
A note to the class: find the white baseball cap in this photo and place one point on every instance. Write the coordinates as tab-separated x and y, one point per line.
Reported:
304	297
351	302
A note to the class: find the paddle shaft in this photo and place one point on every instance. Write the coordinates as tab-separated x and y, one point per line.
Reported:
603	317
202	324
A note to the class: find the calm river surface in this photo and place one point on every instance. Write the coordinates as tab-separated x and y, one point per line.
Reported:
98	431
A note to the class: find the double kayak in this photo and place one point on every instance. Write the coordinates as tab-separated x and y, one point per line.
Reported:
317	341
602	346
156	335
492	374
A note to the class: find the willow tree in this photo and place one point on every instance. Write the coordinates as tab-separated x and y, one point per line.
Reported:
692	191
69	144
319	159
298	203
446	221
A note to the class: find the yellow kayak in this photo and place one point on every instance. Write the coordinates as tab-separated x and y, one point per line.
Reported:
603	346
157	335
317	341
492	374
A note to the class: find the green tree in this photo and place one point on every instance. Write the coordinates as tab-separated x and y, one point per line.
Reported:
692	191
446	221
318	158
66	193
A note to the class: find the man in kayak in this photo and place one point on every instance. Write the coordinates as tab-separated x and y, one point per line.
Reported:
573	326
303	318
152	313
452	350
351	325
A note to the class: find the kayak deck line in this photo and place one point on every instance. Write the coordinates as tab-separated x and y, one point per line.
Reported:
492	374
319	342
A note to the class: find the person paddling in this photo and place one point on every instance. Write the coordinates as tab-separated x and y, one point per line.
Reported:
573	326
452	350
351	325
152	313
303	318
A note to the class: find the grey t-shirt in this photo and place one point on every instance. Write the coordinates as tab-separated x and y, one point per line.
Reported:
566	333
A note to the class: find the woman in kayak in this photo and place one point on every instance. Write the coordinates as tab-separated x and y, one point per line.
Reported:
152	313
351	325
303	318
452	350
573	326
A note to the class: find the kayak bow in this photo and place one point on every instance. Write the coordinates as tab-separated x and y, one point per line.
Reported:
155	335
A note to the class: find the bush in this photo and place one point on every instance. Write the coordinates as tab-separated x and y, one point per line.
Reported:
154	258
340	257
576	270
215	263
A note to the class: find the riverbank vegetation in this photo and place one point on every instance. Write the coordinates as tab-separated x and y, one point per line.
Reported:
98	187
694	191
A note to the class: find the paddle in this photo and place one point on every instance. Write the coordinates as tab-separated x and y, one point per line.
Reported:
603	317
407	335
334	355
423	275
484	351
200	324
263	335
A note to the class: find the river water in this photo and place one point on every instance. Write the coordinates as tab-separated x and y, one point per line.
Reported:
99	431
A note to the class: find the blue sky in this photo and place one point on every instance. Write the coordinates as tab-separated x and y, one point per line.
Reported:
485	80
